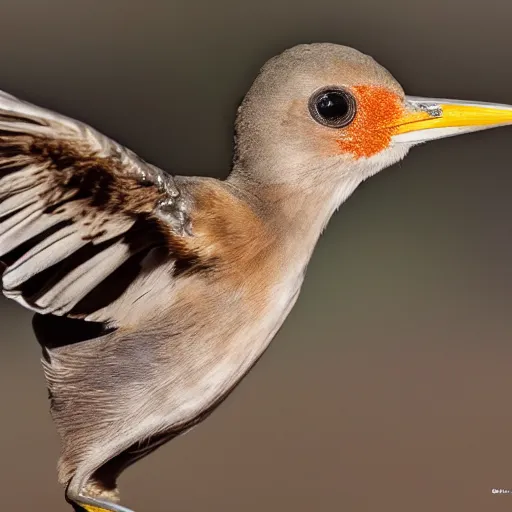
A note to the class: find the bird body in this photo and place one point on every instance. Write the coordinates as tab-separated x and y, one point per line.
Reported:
155	294
222	321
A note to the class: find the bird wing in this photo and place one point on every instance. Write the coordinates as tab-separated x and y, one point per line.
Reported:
85	224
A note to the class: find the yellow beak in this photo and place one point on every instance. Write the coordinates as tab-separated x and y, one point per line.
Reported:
429	118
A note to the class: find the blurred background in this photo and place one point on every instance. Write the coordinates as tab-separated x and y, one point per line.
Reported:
389	387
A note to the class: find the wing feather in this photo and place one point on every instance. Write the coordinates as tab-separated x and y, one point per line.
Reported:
75	207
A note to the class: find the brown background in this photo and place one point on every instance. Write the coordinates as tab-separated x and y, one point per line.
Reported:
389	387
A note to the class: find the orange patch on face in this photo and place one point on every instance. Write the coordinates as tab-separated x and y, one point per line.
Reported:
378	111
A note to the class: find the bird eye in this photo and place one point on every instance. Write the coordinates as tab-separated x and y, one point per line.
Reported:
332	107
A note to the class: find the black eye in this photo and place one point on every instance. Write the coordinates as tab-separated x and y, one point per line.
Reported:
333	107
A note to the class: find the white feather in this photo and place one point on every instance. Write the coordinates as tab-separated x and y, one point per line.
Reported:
68	291
51	250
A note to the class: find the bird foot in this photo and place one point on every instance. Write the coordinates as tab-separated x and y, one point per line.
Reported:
90	504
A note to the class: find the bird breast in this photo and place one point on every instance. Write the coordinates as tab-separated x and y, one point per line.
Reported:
223	312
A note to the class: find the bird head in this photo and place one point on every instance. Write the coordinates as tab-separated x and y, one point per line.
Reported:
328	114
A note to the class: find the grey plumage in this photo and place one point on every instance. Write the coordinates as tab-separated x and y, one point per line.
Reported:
155	295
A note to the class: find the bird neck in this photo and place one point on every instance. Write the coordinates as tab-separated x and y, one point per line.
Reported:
297	211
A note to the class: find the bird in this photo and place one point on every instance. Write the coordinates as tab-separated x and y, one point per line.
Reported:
154	293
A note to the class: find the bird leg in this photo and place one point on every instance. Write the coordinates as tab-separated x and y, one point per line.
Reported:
92	504
95	498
